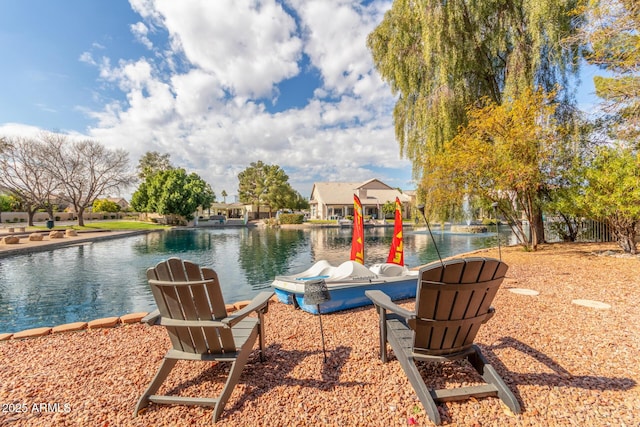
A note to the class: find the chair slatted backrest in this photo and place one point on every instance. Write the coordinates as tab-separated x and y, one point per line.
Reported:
452	302
184	291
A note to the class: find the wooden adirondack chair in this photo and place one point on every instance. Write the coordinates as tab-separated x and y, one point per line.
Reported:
453	300
192	310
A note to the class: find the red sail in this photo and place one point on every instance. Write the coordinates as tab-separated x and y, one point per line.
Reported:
396	254
357	241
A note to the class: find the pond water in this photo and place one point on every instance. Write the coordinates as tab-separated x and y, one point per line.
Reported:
107	278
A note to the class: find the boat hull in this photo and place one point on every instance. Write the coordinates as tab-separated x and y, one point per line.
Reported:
345	296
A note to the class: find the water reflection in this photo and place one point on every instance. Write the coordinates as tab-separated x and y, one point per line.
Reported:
107	278
264	255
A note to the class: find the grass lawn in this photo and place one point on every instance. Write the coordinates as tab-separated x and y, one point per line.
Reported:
111	225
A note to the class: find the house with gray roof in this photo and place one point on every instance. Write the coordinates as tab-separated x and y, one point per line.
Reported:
334	200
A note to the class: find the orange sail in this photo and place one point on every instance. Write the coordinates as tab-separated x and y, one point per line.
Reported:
396	254
357	241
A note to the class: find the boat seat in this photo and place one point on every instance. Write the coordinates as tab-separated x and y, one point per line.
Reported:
388	269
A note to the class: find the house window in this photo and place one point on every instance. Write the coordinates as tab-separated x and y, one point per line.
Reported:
335	212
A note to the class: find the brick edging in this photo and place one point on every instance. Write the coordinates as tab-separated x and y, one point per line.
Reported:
105	322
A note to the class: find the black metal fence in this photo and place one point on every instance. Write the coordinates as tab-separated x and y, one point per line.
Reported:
588	231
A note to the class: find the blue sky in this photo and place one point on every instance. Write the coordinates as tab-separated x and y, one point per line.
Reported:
218	84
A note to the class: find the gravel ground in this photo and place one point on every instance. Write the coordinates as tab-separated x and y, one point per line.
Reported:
568	365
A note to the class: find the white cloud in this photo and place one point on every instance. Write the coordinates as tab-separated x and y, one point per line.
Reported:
87	58
248	45
205	100
335	35
15	130
140	32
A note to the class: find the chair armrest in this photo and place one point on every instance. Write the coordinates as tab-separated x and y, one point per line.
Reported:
259	303
155	318
191	323
151	318
381	299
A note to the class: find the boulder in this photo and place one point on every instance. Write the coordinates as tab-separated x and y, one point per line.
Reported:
56	234
70	232
11	240
35	237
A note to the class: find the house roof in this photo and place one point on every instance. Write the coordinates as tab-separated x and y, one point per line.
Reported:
370	192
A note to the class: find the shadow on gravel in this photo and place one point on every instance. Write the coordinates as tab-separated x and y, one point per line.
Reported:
443	375
559	377
278	371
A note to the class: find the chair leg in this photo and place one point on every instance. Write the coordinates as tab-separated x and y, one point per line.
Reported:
261	334
411	371
421	389
164	370
382	317
234	375
489	374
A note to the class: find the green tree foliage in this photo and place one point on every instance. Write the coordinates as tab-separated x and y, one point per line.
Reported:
224	195
263	184
613	36
505	154
105	205
298	202
153	162
612	193
5	203
565	181
440	57
173	192
389	209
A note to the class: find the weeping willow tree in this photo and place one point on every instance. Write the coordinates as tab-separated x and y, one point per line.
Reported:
504	155
442	57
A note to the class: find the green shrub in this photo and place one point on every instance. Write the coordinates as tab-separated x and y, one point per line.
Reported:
291	218
271	222
490	221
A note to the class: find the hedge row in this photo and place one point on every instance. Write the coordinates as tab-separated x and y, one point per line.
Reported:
291	218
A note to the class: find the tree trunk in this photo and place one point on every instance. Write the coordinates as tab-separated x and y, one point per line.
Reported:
538	225
625	235
30	213
531	212
80	212
572	228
